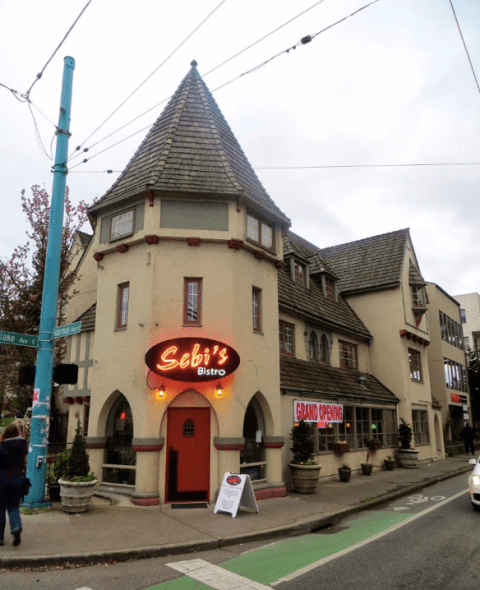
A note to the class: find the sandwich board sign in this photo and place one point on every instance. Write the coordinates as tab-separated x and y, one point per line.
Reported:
236	490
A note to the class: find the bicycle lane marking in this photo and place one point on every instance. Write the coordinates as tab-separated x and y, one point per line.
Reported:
379	535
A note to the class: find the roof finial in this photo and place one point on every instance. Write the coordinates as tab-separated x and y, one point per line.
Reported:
194	64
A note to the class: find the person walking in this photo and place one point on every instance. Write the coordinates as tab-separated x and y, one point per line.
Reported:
468	435
13	450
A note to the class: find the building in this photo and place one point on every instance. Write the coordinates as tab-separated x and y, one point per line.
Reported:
470	314
189	286
446	360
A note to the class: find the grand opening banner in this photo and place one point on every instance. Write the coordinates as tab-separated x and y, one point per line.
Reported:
317	412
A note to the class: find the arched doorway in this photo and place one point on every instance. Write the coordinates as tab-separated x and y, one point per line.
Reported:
120	460
252	457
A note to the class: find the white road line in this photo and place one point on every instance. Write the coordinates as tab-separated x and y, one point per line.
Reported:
215	576
395	527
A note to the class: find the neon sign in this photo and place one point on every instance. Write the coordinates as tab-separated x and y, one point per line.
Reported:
192	359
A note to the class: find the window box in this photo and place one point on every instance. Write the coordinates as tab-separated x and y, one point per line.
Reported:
374	445
341	447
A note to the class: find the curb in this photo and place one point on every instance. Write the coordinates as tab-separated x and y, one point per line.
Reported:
296	529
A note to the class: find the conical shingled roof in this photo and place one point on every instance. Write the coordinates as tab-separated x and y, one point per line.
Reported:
191	148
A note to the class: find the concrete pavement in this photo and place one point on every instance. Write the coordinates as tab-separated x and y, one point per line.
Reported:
115	529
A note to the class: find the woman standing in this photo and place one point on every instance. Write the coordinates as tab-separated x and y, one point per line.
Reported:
13	450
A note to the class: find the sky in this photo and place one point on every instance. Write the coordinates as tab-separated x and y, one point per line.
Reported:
390	85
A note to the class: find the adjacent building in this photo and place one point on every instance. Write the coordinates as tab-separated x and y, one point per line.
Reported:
470	315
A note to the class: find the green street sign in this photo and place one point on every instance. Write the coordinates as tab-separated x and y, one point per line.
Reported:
18	339
68	330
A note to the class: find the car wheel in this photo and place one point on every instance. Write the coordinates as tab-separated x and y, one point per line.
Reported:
476	507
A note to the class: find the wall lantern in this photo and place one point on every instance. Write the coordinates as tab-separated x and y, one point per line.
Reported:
219	391
160	392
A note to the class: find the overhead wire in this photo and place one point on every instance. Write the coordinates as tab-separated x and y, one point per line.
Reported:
303	41
150	75
77	153
465	46
367	165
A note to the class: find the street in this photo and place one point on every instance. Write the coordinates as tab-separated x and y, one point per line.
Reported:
428	540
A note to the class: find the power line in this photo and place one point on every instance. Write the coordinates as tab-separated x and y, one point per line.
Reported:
303	41
154	71
465	46
77	153
40	74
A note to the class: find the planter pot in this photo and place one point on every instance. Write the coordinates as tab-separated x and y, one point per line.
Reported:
375	445
76	495
344	474
341	447
408	458
389	465
305	477
366	468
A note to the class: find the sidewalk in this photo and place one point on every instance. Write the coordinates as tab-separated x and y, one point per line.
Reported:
121	531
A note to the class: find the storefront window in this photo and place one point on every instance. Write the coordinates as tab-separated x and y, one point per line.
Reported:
326	435
252	457
120	460
390	423
363	427
420	427
346	429
376	427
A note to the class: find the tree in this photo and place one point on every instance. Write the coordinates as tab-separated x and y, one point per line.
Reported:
21	287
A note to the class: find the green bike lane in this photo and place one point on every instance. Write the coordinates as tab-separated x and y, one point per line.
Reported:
272	562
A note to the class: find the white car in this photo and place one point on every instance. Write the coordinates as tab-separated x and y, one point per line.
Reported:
474	483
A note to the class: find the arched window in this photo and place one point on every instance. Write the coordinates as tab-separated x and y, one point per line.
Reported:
313	347
120	455
188	428
324	350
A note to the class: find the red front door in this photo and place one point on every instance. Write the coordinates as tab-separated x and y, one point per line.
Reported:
188	454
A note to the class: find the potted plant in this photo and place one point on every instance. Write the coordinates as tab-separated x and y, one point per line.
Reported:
344	472
77	484
407	455
56	469
341	446
367	466
304	471
389	463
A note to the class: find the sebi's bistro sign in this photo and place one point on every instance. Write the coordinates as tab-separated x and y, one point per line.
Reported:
192	359
317	412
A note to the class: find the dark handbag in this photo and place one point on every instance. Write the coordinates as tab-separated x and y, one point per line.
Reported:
27	484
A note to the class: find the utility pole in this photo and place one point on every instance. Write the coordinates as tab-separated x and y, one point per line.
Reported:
36	462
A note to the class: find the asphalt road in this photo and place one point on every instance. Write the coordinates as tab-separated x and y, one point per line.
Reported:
426	541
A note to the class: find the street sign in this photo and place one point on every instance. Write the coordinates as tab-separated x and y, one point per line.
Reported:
19	339
68	330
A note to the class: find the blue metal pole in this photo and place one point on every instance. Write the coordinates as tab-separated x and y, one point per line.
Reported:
37	450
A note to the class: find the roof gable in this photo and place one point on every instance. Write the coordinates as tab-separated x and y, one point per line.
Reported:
191	148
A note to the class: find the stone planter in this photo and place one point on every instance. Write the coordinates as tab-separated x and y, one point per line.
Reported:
76	495
408	458
344	474
305	477
366	468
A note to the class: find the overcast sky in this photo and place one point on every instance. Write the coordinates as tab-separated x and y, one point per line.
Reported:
389	85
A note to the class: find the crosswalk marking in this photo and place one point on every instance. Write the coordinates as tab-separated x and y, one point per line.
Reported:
215	576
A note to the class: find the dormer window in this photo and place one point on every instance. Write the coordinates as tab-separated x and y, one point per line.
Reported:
329	289
299	274
260	232
313	347
122	224
418	297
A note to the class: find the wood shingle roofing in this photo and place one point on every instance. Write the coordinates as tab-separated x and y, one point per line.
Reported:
369	264
88	318
191	149
311	303
311	379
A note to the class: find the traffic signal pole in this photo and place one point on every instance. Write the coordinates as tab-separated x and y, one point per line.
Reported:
37	450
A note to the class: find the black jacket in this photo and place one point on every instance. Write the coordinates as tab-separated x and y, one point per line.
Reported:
12	459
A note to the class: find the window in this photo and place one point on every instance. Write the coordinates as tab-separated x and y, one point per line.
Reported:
466	342
418	296
450	330
348	355
390	424
463	316
420	427
299	274
313	347
285	332
188	428
415	362
455	375
192	307
122	224
329	289
362	425
324	350
256	309
259	232
122	314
